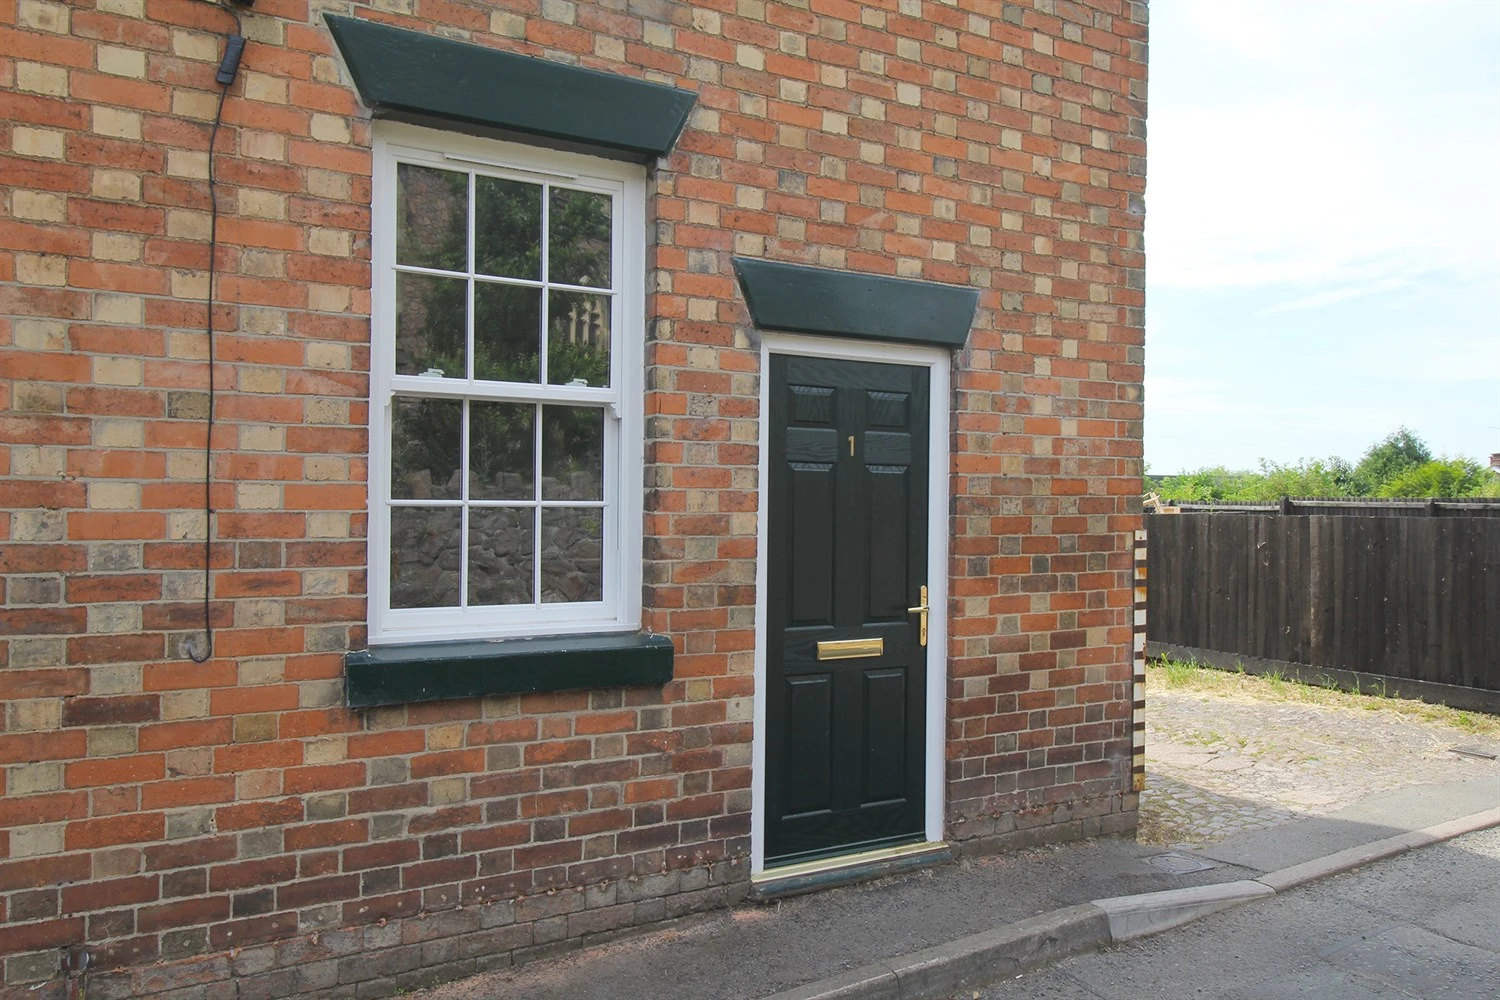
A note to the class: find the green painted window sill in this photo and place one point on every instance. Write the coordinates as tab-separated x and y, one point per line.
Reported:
435	671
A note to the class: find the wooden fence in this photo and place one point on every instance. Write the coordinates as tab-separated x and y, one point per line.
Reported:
1410	592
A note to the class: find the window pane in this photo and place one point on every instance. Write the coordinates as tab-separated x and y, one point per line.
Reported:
578	338
432	217
430	321
507	228
424	449
578	238
507	332
572	453
502	451
572	554
502	541
424	557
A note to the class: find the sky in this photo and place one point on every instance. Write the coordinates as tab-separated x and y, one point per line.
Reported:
1322	229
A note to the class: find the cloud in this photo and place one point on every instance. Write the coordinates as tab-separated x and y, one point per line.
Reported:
1286	148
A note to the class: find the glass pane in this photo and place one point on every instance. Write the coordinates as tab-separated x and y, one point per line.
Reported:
572	554
507	228
502	542
430	321
432	217
578	338
424	557
578	238
502	451
424	449
507	332
572	453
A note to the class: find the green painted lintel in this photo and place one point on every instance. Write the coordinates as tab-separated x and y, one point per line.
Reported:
426	79
817	300
435	671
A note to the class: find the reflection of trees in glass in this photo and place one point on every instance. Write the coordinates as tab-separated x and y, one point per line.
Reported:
432	217
431	322
578	245
507	228
507	332
578	338
502	451
572	453
424	448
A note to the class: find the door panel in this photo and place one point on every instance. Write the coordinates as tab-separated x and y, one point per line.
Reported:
847	555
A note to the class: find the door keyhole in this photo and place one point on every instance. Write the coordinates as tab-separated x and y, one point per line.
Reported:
851	445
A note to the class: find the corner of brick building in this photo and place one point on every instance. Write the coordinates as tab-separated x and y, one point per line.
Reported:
188	824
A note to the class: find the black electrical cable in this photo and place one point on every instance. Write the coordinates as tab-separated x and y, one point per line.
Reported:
234	47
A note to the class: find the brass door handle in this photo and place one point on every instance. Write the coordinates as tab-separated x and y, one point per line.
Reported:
923	610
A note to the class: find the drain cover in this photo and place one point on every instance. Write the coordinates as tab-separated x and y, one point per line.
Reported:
1472	751
1180	864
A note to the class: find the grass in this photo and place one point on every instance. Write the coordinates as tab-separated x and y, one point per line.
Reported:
1275	686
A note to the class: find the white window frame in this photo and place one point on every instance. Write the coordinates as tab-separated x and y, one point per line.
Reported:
622	401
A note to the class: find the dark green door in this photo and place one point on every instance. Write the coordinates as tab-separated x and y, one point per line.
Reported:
846	666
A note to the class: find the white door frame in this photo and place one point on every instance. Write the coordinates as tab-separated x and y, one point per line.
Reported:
938	361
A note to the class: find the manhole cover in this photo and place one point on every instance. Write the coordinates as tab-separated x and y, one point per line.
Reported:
1180	864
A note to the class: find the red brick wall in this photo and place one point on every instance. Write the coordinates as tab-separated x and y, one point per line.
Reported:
156	808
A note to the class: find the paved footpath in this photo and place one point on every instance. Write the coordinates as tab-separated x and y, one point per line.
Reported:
1247	801
1422	925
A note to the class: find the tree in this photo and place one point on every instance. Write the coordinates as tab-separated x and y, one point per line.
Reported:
1400	451
1445	477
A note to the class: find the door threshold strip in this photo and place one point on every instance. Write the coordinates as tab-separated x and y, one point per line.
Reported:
825	873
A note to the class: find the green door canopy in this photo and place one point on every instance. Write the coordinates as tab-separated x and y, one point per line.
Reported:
424	79
802	299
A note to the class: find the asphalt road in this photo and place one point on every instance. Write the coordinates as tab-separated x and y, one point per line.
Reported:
1423	925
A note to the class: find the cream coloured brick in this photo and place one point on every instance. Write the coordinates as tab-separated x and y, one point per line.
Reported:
40	334
325	355
41	206
325	468
29	779
612	49
46	143
182	586
117	246
112	308
266	380
125	8
186	225
909	93
330	242
111	741
330	128
37	397
116	185
35	714
325	750
263	145
185	465
262	438
37	841
195	45
119	433
41	269
199	104
38	525
109	619
326	411
750	57
328	184
257	496
38	462
36	78
41	15
115	678
190	284
114	496
507	25
327	524
259	614
268	89
184	705
263	263
117	371
329	298
117	61
187	163
117	123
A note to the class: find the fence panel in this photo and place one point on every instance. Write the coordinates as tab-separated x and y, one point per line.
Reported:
1408	595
